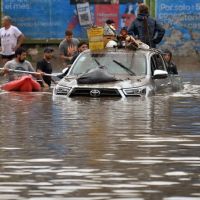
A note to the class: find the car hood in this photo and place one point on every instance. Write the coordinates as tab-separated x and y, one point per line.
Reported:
123	81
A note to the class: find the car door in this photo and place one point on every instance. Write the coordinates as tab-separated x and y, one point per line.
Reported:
157	63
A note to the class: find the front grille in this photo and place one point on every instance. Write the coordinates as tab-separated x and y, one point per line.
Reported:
61	93
94	92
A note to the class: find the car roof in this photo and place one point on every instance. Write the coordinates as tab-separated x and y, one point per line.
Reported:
123	50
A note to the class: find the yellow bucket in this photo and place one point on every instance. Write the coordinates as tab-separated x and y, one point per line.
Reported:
96	32
96	45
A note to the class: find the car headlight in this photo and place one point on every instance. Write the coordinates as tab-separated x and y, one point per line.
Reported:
61	90
135	91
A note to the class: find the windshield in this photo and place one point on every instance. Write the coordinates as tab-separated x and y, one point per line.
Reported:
132	63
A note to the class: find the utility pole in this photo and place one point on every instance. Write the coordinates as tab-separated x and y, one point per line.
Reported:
151	5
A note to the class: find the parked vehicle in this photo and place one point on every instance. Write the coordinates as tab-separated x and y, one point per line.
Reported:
118	72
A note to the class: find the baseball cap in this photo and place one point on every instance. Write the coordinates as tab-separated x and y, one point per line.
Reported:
48	50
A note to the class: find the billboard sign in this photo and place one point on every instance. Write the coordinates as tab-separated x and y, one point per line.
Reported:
181	20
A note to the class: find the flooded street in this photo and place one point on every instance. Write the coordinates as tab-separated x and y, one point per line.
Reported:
101	148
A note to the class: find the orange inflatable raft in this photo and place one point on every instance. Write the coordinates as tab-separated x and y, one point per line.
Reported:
24	84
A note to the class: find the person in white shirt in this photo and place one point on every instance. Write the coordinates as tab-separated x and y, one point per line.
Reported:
11	39
109	28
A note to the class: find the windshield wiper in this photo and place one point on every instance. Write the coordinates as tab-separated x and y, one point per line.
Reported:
99	64
124	67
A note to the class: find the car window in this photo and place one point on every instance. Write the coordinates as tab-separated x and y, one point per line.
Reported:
115	62
157	62
153	65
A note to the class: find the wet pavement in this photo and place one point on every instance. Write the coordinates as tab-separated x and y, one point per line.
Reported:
101	148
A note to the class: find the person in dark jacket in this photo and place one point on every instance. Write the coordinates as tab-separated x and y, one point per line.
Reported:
145	28
171	67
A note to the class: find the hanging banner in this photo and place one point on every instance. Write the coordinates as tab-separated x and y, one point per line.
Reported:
182	22
105	12
104	1
84	14
46	19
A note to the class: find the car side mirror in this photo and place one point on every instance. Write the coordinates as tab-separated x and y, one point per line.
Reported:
159	74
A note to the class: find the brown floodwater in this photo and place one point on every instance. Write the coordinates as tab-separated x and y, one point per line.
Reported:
101	148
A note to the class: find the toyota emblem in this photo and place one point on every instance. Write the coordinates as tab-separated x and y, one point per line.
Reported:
95	93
